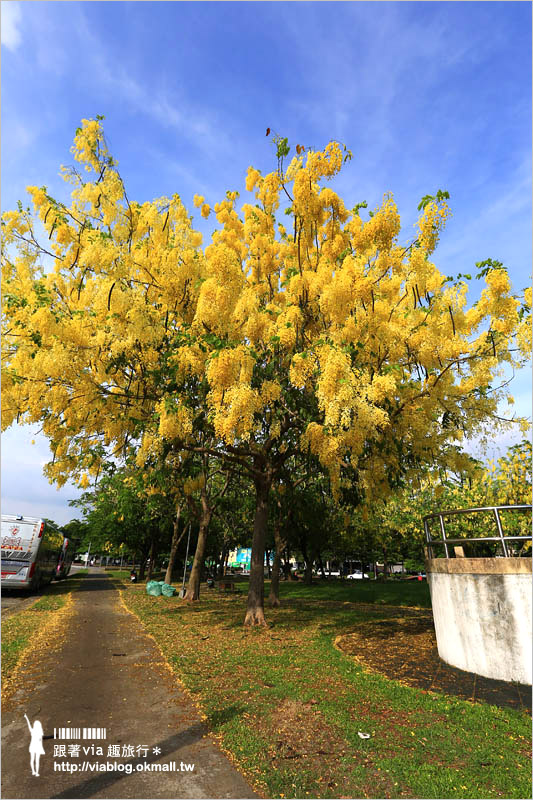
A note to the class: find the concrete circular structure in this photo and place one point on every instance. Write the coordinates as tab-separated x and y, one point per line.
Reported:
482	615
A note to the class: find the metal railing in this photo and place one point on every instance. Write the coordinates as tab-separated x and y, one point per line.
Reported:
501	538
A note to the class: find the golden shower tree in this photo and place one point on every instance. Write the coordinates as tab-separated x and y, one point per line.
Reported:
324	334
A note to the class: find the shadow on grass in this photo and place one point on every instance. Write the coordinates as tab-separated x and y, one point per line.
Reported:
221	716
406	650
394	592
227	612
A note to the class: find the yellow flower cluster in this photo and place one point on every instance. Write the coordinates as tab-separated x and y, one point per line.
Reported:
234	415
327	307
192	485
252	177
174	420
270	392
431	223
87	142
301	370
324	164
498	281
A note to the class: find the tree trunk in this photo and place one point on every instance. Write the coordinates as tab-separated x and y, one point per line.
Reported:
308	569
385	564
273	597
221	571
142	567
321	564
287	564
255	611
193	587
176	539
153	556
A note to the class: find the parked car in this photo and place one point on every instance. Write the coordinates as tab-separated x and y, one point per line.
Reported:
357	576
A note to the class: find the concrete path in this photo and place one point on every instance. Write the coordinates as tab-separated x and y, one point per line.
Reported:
107	673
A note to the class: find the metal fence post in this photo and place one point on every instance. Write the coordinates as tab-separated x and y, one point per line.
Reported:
443	532
428	539
500	532
453	540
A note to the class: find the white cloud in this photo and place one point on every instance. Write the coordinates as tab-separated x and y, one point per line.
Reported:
18	137
25	490
11	21
171	109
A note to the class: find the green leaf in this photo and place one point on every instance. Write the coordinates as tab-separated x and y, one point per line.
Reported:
358	206
487	266
429	198
426	200
283	148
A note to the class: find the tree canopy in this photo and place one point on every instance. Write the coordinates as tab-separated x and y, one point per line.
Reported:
308	331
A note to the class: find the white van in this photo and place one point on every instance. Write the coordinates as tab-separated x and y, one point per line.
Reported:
31	548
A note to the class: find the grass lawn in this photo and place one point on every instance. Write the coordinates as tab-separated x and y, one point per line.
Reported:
288	706
19	630
391	592
120	574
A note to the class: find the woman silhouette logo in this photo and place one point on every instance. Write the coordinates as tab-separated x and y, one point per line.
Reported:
36	745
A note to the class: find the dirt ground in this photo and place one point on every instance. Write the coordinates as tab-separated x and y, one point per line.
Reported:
411	657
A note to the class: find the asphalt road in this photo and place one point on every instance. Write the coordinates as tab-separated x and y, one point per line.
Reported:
14	600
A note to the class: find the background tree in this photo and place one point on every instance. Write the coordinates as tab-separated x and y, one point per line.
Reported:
127	509
395	529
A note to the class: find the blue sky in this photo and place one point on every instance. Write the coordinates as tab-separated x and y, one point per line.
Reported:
427	95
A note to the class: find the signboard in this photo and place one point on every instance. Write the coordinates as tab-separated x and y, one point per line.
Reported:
243	557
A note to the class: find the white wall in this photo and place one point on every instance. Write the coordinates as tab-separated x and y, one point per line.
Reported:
483	621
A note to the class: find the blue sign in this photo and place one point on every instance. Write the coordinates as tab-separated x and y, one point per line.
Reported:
244	555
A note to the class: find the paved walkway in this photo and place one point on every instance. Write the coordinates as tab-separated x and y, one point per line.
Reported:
108	673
